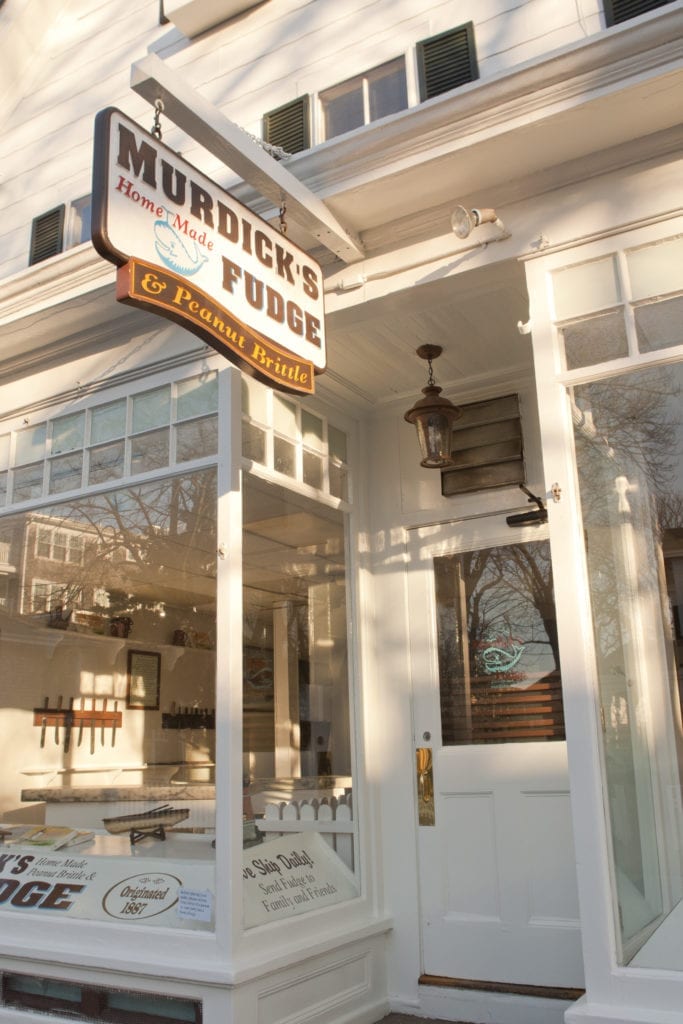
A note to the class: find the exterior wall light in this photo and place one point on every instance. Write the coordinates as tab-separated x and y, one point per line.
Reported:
463	222
433	417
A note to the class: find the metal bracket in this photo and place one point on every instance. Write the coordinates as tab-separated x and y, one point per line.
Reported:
154	80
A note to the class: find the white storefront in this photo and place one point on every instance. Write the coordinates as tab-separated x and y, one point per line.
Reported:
325	733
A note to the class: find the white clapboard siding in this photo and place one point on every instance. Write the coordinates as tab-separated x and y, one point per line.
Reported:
332	819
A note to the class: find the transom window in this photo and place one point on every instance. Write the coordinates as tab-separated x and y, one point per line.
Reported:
282	435
165	426
620	305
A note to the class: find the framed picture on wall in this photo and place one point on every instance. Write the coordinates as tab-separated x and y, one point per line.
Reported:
144	680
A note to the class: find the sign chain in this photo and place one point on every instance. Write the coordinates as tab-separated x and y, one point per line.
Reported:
156	127
283	218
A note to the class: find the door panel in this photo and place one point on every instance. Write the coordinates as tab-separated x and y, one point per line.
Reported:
497	874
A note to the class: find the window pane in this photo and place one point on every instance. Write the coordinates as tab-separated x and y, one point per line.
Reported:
197	396
296	717
253	443
30	445
313	470
28	483
284	417
108	421
656	269
312	430
68	433
81	217
629	450
595	341
338	474
387	89
336	440
123	595
106	463
197	439
66	473
499	666
4	477
4	451
343	111
254	400
149	451
659	324
586	288
151	409
284	456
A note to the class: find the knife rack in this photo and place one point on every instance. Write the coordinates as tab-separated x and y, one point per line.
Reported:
189	718
64	722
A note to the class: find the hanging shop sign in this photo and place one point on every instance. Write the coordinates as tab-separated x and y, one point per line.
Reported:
192	253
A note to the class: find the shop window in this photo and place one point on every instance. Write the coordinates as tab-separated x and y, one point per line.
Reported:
617	11
288	128
628	433
111	606
358	101
297	723
87	1002
447	61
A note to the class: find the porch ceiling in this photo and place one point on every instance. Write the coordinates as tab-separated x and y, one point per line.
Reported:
473	316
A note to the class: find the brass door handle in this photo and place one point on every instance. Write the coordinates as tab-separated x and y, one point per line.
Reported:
425	786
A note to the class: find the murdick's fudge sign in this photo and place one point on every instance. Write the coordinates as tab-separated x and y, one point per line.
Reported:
192	253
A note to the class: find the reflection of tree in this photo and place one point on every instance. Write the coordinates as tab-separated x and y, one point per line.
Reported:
510	585
152	542
632	416
626	429
496	607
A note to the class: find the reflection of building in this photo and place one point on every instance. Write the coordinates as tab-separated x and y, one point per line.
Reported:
258	607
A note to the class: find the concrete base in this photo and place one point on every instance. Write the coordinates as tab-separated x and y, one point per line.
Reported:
583	1012
475	1007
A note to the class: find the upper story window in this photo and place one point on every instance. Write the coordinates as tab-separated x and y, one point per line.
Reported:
59	229
366	98
441	63
617	11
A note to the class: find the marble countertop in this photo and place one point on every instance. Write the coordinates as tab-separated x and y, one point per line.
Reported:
112	794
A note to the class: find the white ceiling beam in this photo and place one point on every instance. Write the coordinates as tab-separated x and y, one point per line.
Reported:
154	80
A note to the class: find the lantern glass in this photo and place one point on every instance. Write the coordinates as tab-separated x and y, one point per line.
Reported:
434	435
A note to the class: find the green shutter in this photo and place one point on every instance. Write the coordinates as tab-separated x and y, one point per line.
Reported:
288	126
447	61
47	235
617	11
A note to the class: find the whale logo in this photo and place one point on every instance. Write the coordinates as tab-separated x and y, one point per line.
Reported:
175	251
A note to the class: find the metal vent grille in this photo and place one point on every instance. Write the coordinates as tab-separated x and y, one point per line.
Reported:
447	61
617	11
47	235
488	448
288	126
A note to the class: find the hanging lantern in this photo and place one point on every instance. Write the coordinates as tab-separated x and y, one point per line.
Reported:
433	417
